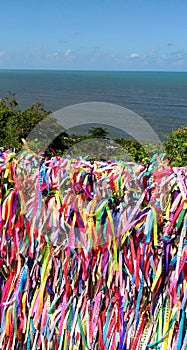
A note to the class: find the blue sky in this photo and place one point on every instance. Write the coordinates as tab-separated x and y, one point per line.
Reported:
88	34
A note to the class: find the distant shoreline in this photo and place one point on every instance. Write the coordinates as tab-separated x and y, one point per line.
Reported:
90	70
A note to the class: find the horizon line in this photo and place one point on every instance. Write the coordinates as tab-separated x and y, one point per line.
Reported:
95	70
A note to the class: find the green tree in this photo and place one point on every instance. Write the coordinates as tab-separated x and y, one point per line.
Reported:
98	132
15	124
176	147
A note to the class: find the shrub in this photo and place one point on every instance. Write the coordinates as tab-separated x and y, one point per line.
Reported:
176	147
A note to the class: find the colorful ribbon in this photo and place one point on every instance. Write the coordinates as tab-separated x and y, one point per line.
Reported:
93	255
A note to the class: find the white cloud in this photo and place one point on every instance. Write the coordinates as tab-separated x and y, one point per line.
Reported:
96	58
134	55
2	53
67	52
52	54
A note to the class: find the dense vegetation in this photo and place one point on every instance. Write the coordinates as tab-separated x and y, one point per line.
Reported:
15	125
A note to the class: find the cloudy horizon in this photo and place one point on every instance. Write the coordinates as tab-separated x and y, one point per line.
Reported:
128	35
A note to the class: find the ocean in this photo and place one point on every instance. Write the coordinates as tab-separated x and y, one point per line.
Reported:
159	97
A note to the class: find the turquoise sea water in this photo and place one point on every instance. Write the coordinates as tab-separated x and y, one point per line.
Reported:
159	97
